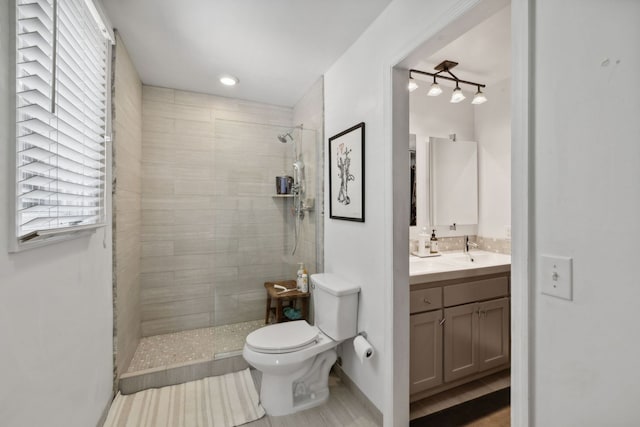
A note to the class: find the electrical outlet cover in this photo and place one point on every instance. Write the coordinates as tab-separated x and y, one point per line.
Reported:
556	275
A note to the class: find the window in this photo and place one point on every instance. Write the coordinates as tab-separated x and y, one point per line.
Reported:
61	117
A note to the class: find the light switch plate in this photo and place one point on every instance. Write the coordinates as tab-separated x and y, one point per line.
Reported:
557	276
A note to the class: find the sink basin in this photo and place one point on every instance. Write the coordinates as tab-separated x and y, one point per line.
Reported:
478	258
452	261
430	265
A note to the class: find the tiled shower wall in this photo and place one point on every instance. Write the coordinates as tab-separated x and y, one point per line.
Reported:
212	232
127	155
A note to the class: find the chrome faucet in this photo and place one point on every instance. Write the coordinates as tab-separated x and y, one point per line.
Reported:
466	247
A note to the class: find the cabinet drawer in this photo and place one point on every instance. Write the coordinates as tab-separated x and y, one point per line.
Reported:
477	290
425	300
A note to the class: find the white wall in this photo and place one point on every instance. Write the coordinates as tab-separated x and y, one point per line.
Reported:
493	133
437	116
55	310
587	206
358	88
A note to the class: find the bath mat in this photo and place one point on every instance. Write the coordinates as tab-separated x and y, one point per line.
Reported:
223	401
467	412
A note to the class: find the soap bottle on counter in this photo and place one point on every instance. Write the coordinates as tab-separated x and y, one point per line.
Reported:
302	282
434	243
423	237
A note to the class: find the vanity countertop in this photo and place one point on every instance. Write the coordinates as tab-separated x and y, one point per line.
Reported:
456	265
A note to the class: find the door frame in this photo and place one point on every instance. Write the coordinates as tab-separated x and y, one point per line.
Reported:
522	245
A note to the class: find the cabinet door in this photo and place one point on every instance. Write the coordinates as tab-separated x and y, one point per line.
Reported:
460	336
493	333
426	351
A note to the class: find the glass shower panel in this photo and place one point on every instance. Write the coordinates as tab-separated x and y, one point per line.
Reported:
311	203
254	232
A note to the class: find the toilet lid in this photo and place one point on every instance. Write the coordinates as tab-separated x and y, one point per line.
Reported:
282	337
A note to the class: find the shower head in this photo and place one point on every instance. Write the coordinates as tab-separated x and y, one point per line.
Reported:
283	138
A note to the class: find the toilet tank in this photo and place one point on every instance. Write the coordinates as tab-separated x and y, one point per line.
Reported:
335	306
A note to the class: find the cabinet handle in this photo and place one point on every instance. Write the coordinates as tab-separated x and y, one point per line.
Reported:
442	321
426	301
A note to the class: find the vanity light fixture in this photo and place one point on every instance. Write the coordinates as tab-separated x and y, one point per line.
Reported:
412	84
479	97
457	96
434	89
228	80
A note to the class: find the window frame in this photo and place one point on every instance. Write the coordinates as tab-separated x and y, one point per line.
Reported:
52	236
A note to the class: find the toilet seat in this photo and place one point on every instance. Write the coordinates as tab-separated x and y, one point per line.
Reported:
285	337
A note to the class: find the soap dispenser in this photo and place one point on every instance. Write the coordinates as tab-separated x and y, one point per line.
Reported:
423	239
434	243
302	282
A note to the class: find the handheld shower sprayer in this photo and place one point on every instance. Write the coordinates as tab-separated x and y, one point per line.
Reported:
298	172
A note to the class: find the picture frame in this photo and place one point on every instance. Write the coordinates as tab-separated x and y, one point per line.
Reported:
346	174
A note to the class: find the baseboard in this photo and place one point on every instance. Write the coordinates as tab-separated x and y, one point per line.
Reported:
360	396
105	412
446	386
181	373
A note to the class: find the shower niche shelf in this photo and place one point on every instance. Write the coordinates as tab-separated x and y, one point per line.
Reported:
282	196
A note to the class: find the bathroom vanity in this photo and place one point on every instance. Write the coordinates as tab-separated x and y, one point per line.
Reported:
459	320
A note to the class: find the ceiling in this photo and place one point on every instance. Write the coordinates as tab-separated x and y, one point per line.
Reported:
483	52
276	48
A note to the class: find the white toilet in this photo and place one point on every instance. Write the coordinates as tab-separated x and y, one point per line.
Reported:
295	357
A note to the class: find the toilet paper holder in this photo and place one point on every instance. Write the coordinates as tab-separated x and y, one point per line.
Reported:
363	348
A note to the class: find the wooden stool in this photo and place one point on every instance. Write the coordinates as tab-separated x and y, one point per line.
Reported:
289	297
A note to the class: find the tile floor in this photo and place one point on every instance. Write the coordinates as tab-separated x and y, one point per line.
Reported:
188	346
343	409
461	394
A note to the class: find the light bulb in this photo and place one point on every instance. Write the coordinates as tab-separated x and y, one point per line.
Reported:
434	89
479	98
412	85
228	80
457	95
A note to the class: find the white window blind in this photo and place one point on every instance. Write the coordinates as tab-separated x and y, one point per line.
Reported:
61	84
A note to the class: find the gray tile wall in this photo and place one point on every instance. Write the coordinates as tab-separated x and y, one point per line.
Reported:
211	231
127	212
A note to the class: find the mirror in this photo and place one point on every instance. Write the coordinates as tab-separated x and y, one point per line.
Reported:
413	191
453	178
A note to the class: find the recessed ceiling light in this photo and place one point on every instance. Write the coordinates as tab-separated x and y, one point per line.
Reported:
228	80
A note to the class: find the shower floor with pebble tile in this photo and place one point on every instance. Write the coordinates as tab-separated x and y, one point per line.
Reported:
189	346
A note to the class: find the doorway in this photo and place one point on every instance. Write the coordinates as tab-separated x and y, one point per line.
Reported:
517	106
